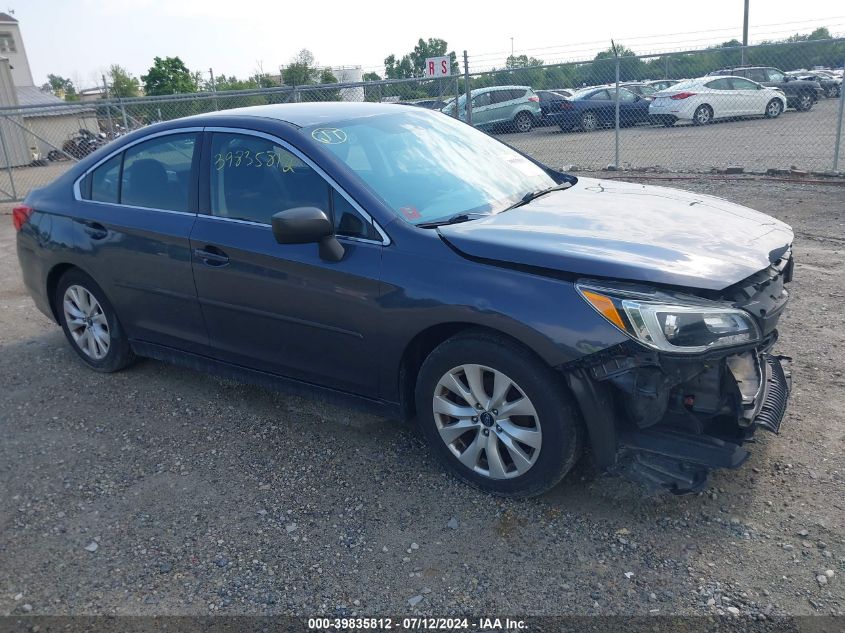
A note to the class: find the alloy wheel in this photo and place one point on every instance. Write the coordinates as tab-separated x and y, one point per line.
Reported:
487	421
86	322
589	122
774	108
702	115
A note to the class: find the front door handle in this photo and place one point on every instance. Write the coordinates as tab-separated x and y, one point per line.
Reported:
211	256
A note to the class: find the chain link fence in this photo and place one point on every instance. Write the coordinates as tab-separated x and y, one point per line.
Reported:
770	108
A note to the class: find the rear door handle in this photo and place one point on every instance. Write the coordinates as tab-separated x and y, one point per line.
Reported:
211	256
96	230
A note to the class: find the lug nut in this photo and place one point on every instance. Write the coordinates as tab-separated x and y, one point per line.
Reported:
486	432
498	429
474	418
478	406
495	412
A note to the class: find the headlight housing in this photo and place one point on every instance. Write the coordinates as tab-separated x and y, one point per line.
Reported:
681	325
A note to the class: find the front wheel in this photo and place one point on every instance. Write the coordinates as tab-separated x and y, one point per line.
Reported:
774	109
90	323
523	122
805	102
497	416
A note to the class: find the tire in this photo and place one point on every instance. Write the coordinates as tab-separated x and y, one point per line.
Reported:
96	334
703	115
589	121
539	395
523	122
805	102
774	109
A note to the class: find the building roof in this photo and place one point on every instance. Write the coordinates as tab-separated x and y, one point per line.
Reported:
5	17
40	103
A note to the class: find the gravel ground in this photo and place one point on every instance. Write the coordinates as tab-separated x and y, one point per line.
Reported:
159	490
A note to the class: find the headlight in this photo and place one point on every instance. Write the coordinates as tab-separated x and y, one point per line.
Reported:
685	327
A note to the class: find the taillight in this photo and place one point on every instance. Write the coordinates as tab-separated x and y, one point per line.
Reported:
682	95
20	215
566	105
535	99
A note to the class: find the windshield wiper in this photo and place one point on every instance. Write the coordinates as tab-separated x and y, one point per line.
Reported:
454	219
533	195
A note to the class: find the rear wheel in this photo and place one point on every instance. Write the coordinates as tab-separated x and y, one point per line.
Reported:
774	109
589	121
90	323
805	102
496	416
703	115
523	122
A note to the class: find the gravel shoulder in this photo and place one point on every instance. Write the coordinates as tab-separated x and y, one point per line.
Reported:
159	490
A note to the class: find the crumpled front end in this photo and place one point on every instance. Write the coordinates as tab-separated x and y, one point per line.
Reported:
668	420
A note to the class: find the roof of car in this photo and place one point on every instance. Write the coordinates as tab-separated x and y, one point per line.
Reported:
314	113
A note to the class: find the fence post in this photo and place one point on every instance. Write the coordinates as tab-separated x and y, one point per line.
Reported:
8	166
108	108
468	89
123	112
839	127
616	125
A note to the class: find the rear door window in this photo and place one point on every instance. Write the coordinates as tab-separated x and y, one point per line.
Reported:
775	75
601	95
756	74
105	181
737	83
479	101
157	173
719	84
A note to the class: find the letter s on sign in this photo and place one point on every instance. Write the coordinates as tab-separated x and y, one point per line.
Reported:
443	67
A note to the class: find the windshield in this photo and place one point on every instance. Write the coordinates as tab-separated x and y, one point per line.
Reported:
427	166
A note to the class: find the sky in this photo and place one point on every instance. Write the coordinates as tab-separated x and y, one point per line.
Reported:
80	39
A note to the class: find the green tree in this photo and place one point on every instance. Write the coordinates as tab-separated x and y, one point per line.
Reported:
60	87
301	70
121	83
169	76
413	64
522	61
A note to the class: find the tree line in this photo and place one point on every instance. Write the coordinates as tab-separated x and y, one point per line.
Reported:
170	75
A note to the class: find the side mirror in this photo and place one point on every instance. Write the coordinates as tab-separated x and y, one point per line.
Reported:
307	225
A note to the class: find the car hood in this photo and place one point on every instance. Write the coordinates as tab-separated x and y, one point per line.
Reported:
620	230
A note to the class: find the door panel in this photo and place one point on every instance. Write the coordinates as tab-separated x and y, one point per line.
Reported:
142	255
281	308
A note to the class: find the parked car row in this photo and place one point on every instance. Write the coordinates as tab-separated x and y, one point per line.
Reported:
723	94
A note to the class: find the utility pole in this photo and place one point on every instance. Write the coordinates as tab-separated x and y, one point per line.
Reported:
511	47
213	88
745	32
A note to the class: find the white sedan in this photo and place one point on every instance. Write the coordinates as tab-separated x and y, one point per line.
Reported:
708	98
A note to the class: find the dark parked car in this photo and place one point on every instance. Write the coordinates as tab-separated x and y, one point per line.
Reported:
830	85
801	94
592	108
399	259
550	101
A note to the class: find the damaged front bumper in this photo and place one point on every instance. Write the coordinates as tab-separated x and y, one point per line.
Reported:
668	422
